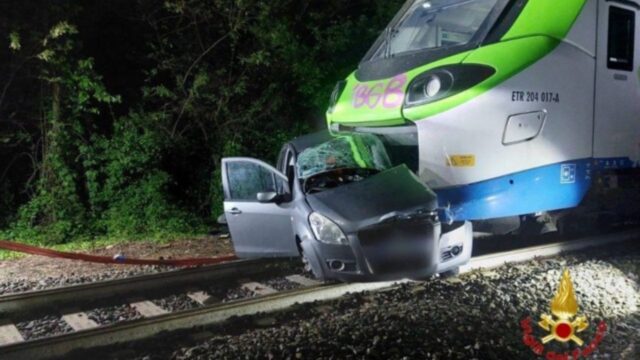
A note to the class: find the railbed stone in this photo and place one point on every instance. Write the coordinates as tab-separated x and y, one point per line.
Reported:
477	317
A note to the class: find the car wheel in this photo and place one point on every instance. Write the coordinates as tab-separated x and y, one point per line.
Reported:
450	273
308	267
306	264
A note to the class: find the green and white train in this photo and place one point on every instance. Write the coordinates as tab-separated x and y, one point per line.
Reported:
513	106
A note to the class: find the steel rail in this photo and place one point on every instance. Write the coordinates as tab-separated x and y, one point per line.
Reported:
70	296
62	345
520	255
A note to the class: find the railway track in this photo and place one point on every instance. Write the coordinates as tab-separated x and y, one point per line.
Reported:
143	295
35	301
156	321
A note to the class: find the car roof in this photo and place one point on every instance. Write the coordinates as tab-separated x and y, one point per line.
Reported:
304	142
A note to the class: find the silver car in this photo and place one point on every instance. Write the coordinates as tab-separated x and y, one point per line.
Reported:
341	204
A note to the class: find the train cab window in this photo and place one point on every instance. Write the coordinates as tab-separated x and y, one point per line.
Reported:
621	39
436	24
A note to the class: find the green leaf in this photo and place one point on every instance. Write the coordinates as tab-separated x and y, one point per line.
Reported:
14	41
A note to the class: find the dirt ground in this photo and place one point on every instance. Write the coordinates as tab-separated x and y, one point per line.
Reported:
34	268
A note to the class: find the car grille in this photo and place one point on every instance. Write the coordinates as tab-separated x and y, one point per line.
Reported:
404	265
397	232
398	247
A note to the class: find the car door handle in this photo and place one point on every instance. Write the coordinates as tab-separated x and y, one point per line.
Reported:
235	211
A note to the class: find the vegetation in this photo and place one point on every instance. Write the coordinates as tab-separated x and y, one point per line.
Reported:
114	115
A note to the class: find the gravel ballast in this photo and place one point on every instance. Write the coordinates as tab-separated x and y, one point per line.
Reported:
281	284
43	327
474	316
22	285
234	294
175	303
113	314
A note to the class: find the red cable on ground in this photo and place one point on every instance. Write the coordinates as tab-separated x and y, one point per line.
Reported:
33	250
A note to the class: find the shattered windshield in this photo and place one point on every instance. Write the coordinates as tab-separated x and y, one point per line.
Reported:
432	24
357	151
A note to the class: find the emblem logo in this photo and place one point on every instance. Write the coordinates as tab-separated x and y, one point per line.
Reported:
563	325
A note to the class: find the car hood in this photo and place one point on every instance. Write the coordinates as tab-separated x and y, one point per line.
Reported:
392	192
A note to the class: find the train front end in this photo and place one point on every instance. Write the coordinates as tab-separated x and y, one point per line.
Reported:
485	90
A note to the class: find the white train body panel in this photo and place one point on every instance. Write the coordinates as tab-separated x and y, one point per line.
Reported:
479	125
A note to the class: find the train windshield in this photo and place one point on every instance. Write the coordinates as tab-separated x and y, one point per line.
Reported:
435	24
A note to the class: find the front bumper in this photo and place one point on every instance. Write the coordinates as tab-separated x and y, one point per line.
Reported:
384	253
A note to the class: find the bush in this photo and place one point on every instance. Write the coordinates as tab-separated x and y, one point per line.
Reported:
200	80
142	208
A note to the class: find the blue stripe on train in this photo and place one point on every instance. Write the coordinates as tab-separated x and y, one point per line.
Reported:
551	187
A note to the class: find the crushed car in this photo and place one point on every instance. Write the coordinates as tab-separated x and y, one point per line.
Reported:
343	206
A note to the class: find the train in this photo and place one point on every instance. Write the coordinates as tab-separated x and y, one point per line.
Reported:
465	116
504	108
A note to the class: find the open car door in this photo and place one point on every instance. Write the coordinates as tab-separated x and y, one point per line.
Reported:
258	209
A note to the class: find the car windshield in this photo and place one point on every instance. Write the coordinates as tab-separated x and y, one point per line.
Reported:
345	152
433	24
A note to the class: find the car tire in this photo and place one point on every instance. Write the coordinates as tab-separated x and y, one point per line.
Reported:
308	265
450	273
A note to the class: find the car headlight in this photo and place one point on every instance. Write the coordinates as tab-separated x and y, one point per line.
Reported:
443	82
326	231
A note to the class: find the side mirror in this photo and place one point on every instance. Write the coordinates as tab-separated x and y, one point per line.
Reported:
267	197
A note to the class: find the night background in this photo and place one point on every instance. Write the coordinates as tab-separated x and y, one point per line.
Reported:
114	115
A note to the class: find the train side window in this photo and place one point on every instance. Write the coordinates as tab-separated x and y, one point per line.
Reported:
621	39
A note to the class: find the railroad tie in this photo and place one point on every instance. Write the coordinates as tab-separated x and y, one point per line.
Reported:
302	280
147	308
9	334
259	288
200	297
78	320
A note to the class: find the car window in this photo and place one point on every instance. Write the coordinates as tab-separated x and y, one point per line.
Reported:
247	179
354	151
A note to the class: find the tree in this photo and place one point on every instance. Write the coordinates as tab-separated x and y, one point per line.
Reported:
200	80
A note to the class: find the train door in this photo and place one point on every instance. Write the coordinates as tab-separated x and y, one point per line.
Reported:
617	96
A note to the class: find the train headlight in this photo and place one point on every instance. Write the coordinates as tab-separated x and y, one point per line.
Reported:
433	86
443	82
326	231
